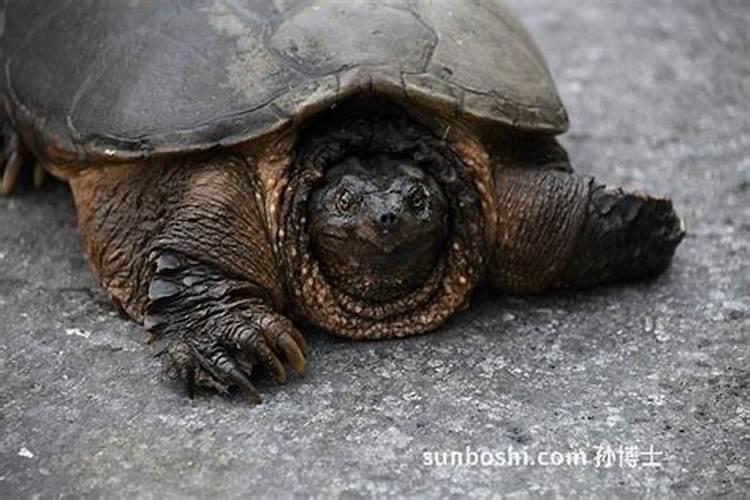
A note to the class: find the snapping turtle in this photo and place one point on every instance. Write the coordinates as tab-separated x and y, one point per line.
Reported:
240	167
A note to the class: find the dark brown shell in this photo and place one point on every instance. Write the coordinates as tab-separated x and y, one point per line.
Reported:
134	78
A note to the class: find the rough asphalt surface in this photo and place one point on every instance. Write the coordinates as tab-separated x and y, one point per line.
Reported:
659	97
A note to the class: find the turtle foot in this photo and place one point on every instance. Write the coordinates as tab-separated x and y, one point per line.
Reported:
217	330
627	235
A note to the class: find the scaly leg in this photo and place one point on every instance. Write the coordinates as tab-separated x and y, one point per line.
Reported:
559	229
183	247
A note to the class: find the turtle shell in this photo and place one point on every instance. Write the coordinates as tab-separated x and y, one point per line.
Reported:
134	78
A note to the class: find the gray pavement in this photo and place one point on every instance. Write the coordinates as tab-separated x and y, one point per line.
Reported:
659	97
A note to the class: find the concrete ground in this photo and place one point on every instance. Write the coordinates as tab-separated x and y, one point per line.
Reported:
659	96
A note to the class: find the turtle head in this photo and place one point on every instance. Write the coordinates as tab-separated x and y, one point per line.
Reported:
377	226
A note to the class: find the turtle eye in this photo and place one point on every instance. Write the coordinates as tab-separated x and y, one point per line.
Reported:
417	198
346	200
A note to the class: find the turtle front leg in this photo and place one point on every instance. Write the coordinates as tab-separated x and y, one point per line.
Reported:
562	230
219	327
184	248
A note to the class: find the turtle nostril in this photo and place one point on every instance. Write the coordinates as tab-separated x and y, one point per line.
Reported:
388	219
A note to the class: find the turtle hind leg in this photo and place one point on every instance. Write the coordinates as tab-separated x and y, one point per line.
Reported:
626	236
15	160
562	230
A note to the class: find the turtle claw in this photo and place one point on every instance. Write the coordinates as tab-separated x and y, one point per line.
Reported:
203	366
285	339
293	353
217	345
228	358
11	172
39	176
13	158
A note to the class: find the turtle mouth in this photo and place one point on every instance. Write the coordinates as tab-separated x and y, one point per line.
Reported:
369	247
370	242
447	285
378	271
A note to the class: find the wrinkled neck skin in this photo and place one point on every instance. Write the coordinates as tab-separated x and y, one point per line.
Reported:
381	227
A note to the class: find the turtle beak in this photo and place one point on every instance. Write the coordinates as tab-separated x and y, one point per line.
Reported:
378	236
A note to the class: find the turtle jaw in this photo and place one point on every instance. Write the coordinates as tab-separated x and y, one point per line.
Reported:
376	271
